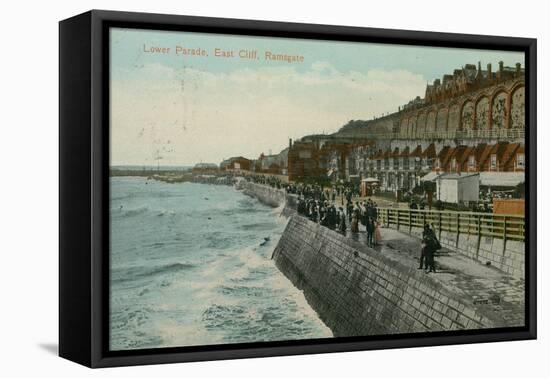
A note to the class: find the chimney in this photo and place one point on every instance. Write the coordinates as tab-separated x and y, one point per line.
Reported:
479	66
518	69
500	66
289	142
490	71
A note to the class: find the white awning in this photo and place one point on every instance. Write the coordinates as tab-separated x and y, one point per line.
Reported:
370	179
431	176
501	178
456	176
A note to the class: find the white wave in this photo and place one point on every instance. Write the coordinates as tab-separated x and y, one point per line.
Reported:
133	212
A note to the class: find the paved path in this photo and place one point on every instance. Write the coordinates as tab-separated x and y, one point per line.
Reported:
494	294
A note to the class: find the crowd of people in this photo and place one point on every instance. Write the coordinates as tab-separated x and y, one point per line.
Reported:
338	209
319	208
345	192
272	181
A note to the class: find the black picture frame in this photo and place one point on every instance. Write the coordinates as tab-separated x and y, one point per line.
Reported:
84	188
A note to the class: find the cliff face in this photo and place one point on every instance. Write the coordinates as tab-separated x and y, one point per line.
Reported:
363	129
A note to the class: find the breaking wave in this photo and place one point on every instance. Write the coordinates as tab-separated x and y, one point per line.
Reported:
133	273
199	272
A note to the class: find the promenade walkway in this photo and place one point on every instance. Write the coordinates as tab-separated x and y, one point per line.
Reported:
495	294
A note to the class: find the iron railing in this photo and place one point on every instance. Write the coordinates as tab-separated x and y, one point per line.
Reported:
507	227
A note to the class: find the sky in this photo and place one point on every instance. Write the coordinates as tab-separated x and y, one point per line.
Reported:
173	108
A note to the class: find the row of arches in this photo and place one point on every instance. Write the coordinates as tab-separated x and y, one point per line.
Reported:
503	109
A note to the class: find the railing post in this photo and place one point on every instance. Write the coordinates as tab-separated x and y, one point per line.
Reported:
504	235
398	219
457	228
478	235
439	225
504	229
410	221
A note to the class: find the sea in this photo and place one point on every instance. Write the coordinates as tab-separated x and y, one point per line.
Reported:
190	264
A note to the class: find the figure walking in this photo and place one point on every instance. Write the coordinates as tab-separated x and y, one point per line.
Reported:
370	232
377	234
430	245
342	225
354	223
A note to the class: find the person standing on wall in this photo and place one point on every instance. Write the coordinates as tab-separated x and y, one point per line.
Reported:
370	232
434	247
424	248
342	224
377	233
354	222
430	245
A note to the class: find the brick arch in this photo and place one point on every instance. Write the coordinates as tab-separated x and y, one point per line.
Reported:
421	124
517	107
499	108
403	126
497	90
431	115
482	112
516	86
412	125
441	118
467	114
454	116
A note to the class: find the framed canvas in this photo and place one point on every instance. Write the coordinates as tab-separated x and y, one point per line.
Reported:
235	188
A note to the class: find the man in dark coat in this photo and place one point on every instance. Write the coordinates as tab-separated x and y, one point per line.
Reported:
370	231
342	225
429	247
349	210
424	251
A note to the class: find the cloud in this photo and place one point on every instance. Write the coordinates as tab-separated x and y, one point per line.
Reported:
187	115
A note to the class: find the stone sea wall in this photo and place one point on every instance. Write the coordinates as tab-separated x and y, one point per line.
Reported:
270	196
357	290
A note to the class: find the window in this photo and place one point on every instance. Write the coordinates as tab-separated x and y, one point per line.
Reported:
493	162
520	161
471	162
453	164
437	163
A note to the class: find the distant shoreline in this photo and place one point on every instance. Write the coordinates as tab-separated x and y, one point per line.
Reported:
149	171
